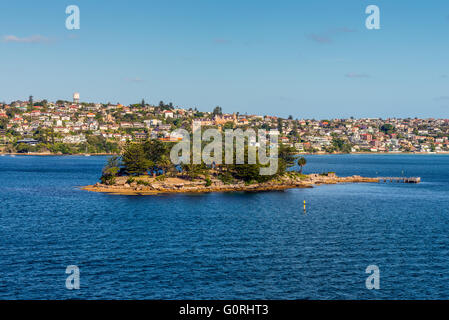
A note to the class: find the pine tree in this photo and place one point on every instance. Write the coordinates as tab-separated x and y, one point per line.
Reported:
134	160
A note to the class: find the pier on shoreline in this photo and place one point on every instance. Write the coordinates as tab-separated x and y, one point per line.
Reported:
400	179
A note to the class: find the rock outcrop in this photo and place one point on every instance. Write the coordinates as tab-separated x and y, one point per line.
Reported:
148	185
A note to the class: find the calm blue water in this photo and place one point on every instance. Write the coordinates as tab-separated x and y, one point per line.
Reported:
225	246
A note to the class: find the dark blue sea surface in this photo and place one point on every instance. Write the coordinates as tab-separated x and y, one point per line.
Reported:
226	245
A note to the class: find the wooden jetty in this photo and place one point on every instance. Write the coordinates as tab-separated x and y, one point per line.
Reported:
400	179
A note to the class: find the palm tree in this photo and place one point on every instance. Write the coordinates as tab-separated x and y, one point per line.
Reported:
301	162
166	165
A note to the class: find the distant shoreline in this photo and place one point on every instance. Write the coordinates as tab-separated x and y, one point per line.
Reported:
298	154
374	153
56	155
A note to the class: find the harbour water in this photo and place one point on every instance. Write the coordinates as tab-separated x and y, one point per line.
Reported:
228	245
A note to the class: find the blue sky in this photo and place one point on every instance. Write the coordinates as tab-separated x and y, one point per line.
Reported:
310	59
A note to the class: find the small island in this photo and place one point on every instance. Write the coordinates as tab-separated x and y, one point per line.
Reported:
145	169
146	185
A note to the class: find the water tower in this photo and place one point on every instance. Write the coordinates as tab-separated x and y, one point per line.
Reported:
76	97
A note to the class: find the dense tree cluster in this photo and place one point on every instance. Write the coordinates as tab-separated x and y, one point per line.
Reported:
152	157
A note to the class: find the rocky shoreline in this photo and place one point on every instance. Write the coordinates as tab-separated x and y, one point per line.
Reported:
149	186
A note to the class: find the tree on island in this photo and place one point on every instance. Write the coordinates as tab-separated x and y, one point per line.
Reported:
153	156
192	171
154	150
111	170
248	173
301	163
134	160
251	172
157	153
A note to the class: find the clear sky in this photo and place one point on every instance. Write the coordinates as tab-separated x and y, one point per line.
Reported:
310	59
